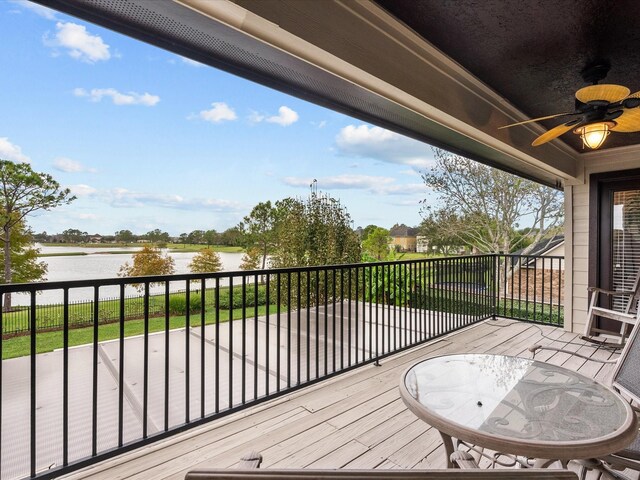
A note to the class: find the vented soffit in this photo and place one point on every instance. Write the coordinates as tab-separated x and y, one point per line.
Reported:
173	27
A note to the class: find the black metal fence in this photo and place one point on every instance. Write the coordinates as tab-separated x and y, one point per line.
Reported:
50	316
530	288
237	338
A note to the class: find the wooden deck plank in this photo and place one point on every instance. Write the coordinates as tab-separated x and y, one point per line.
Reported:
385	449
355	420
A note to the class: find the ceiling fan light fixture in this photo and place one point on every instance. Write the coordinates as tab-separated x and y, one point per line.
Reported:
594	134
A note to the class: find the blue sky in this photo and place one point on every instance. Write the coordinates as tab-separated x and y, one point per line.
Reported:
147	139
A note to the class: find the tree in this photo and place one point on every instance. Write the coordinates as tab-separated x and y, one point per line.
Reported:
258	230
24	257
22	192
206	260
313	232
125	236
211	237
376	243
489	204
73	235
251	259
196	237
148	261
231	237
157	236
437	228
366	231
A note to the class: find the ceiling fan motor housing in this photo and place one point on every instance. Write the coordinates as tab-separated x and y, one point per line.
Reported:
596	71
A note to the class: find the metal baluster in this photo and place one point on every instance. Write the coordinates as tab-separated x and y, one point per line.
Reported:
216	371
230	404
267	341
166	355
255	339
121	371
278	287
94	373
203	363
32	354
65	382
187	359
145	381
244	336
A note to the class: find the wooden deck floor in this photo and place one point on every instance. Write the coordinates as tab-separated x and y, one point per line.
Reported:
356	420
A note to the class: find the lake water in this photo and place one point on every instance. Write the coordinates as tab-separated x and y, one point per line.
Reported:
97	264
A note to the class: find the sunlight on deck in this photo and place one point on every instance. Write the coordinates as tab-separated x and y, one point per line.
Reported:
355	420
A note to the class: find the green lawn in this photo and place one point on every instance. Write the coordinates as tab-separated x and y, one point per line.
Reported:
188	247
49	341
414	256
81	313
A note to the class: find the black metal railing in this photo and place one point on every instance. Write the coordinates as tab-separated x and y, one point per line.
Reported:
227	341
530	288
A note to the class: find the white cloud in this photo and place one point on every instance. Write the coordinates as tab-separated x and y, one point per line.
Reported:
40	10
121	197
374	184
255	117
124	198
71	166
82	190
86	216
79	43
10	151
219	113
385	145
191	63
285	117
118	98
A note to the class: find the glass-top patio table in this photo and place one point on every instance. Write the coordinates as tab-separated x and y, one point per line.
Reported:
518	406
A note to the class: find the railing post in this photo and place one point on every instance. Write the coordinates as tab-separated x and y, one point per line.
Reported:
496	289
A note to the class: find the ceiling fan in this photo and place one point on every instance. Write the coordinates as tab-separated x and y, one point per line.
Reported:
600	109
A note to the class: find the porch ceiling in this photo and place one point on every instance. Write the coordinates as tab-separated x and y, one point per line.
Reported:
532	52
447	73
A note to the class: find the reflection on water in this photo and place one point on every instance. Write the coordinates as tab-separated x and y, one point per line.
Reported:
106	265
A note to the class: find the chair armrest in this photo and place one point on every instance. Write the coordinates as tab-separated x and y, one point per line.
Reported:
535	348
464	460
250	460
610	292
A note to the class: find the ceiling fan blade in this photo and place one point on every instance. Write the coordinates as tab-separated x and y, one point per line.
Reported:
629	121
551	134
634	95
539	119
607	92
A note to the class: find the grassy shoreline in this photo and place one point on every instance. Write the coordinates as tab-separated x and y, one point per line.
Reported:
172	247
49	341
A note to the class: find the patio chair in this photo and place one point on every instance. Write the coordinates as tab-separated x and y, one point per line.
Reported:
625	380
626	314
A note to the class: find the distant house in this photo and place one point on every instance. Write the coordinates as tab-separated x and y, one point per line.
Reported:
96	238
422	244
403	238
540	276
550	247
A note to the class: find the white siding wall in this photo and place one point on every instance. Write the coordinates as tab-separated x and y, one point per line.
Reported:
577	229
